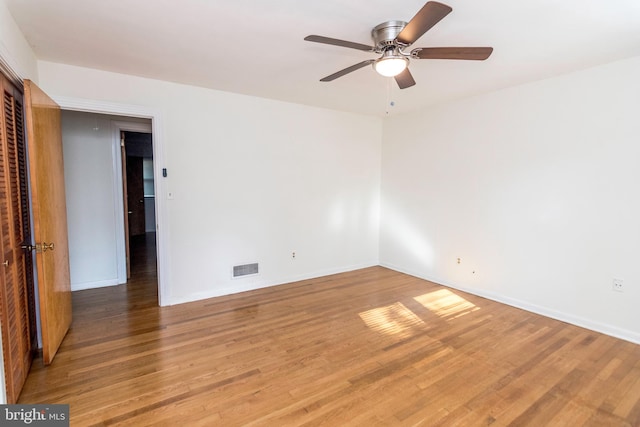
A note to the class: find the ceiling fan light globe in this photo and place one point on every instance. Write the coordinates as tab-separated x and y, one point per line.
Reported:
390	67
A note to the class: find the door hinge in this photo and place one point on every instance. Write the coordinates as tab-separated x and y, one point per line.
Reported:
39	247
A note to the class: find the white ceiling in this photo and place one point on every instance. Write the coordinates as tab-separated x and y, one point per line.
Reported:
256	47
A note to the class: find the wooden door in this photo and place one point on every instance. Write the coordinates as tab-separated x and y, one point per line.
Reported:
135	196
16	279
46	168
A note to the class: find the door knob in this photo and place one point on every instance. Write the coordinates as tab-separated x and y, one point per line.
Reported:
6	263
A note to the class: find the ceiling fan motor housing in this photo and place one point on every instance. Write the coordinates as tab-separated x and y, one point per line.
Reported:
384	35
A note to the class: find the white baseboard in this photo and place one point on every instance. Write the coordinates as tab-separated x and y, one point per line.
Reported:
93	285
259	284
604	328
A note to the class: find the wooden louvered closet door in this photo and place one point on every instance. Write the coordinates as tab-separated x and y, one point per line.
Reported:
16	280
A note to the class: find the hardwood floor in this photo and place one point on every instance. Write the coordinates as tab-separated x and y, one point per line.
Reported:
368	347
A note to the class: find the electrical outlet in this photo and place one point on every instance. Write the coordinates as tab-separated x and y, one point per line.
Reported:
618	285
293	255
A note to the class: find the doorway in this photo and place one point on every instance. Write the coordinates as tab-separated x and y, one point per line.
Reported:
139	199
99	164
161	187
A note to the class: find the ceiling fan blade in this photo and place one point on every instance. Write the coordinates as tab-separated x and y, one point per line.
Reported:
338	42
347	70
472	53
405	79
430	14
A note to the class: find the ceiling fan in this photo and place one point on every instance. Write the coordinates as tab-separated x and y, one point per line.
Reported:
391	38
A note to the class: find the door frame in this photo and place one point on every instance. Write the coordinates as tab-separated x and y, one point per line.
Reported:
162	224
118	180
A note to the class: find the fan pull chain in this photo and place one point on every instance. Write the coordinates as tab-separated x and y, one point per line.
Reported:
389	103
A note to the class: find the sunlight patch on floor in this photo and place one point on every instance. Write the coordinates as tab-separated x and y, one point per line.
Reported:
446	304
394	319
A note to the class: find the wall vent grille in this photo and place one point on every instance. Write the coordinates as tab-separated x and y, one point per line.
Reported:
245	270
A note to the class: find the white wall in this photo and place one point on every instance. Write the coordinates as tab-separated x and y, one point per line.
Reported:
93	209
252	179
15	52
535	188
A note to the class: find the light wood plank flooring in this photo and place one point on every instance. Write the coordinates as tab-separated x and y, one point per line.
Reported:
365	348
